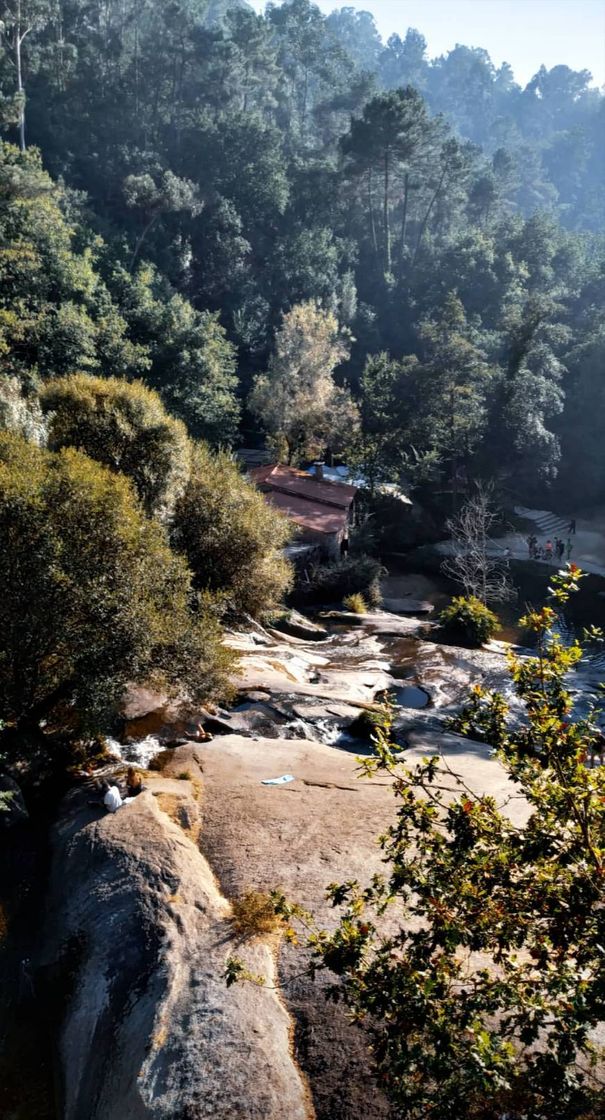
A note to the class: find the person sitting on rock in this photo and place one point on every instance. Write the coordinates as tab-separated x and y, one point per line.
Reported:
134	782
107	795
112	798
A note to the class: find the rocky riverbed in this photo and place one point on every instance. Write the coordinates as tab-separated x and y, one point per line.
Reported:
138	921
317	689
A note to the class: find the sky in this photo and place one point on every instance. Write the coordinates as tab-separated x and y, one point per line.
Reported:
525	33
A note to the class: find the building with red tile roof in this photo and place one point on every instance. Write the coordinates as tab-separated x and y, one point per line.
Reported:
321	510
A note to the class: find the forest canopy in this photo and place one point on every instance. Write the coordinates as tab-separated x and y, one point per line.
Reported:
176	178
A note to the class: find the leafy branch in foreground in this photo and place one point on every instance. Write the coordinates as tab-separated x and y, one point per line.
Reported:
477	962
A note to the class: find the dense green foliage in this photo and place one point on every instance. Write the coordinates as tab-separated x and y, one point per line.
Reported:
92	597
68	304
222	167
482	994
468	620
231	537
125	426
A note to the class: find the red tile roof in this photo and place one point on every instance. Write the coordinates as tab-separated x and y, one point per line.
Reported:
292	481
309	515
322	507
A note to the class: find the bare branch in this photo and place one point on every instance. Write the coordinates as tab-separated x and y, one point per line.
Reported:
471	563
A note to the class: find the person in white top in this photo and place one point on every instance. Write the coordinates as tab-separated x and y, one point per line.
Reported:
112	799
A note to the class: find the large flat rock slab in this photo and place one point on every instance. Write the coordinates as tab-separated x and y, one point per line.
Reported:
475	764
138	936
380	622
320	828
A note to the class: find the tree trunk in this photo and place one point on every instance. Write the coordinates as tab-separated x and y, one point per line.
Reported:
385	206
454	476
139	244
60	58
425	220
246	81
404	217
371	208
136	71
303	117
18	43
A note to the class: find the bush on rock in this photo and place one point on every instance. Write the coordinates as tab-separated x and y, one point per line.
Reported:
355	603
354	575
469	620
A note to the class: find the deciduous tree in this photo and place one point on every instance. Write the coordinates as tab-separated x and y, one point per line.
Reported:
297	400
473	562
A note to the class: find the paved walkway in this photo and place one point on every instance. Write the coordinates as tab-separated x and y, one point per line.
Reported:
588	543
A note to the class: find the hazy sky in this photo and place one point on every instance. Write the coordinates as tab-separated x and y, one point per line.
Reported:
525	33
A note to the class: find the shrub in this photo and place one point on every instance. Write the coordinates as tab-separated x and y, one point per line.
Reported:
355	603
7	796
91	596
231	537
125	426
469	619
254	915
331	583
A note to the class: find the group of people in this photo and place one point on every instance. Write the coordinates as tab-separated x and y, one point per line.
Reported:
550	550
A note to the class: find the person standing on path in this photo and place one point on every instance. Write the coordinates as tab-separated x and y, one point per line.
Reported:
572	526
548	550
569	549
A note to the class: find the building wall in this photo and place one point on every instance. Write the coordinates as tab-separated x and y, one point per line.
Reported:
327	543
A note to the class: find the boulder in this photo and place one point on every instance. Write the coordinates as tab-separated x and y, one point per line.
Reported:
140	702
407	606
390	625
255	718
254	696
380	622
297	626
139	933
